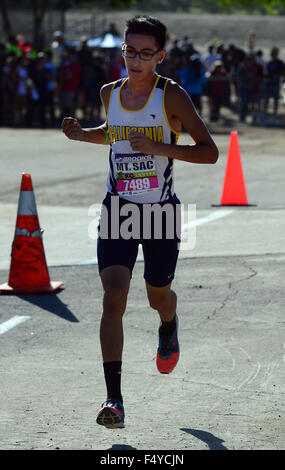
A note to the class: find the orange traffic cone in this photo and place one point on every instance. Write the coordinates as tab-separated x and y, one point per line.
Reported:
234	190
28	270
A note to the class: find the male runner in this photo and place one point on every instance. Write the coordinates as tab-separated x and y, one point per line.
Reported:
145	115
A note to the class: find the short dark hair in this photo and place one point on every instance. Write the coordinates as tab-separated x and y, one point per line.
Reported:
149	26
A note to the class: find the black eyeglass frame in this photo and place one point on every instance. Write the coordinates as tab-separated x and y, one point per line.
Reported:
133	51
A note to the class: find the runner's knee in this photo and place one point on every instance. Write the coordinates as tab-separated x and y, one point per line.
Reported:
115	281
161	301
158	301
114	301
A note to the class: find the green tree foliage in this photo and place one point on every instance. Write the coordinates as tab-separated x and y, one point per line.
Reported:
213	6
40	7
272	7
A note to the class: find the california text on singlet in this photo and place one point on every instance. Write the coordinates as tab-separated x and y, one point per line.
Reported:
135	176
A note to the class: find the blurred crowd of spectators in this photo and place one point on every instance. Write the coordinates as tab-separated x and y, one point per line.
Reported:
239	79
40	84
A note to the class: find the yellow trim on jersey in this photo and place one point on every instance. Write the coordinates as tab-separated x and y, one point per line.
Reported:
107	114
136	110
165	114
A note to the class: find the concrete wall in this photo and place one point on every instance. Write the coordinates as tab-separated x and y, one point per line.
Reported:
201	28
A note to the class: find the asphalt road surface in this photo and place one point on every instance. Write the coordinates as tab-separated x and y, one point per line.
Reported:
227	391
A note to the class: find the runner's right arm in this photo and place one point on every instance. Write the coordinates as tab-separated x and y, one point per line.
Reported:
95	135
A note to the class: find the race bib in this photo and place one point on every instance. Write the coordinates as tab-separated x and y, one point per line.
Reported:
135	173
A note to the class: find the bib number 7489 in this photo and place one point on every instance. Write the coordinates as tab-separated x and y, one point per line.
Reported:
137	184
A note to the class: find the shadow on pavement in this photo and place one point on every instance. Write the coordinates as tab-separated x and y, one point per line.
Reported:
212	441
51	303
121	447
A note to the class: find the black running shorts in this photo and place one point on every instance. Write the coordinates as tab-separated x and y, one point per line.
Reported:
157	229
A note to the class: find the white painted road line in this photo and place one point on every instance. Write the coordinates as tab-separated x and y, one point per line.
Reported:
14	321
209	218
219	214
88	262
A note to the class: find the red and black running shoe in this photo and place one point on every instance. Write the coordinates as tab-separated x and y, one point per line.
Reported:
111	414
168	352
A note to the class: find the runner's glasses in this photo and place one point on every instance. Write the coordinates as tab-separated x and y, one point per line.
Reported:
131	53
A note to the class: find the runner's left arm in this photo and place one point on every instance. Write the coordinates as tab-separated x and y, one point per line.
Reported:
180	108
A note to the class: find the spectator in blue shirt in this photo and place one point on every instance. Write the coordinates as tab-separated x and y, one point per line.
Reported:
193	79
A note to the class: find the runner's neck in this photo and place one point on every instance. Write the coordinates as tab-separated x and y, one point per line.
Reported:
134	88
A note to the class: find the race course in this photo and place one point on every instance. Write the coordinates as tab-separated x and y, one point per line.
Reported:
227	391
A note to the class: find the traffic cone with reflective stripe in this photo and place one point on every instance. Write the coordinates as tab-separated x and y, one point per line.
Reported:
28	269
